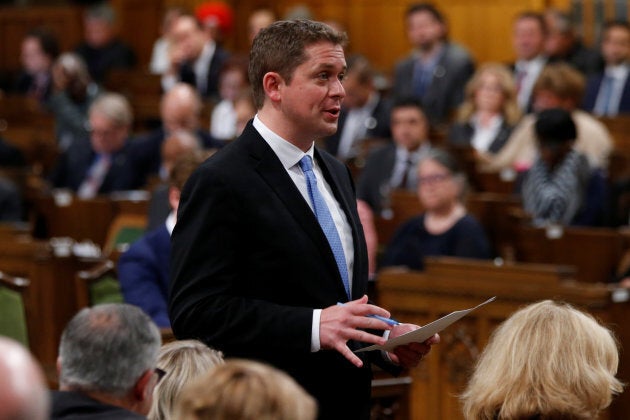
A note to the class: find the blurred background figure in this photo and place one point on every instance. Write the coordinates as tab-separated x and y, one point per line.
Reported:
259	19
364	112
546	361
216	18
23	390
183	361
245	390
445	227
489	112
608	92
233	80
245	109
563	43
101	49
159	55
38	52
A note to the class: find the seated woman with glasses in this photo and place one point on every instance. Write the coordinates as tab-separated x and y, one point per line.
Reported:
444	228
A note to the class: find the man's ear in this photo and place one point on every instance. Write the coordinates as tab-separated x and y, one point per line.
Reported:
272	82
143	389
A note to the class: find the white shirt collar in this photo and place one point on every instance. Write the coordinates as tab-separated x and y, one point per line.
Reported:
170	222
618	72
288	154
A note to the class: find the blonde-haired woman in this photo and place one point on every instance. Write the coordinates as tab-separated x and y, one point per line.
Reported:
489	113
547	361
245	390
182	362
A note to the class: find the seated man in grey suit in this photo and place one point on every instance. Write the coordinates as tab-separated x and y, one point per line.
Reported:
107	364
437	70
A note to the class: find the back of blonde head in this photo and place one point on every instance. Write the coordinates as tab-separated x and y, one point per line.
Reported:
245	390
547	360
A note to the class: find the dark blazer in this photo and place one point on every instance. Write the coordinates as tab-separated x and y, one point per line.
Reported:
159	206
381	129
593	85
250	261
125	172
115	55
211	91
143	272
69	405
460	134
446	90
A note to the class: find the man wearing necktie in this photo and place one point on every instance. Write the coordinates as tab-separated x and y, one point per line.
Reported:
268	239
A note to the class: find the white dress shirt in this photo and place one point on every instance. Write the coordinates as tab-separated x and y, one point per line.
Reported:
484	136
532	69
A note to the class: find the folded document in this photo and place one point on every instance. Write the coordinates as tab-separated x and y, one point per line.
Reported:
424	333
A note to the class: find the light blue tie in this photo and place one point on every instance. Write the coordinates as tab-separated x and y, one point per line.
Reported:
325	220
607	93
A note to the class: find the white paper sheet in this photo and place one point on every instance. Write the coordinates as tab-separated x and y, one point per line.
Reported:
424	333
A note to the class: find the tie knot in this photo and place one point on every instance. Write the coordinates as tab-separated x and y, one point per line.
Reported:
306	163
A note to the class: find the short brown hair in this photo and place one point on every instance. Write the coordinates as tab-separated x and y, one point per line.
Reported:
280	48
563	81
185	165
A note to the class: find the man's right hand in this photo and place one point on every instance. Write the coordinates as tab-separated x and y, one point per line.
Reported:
341	323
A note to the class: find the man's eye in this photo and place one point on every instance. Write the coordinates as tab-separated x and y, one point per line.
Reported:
323	76
341	77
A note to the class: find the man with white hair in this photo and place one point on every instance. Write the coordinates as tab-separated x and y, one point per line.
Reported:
23	391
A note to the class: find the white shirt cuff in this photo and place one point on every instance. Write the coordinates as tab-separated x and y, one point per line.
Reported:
384	353
315	344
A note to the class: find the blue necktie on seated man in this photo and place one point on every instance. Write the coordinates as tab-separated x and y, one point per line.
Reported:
326	221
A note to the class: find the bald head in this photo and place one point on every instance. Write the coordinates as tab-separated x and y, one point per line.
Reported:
180	108
23	391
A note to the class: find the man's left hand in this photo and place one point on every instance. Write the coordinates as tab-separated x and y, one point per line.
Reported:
409	355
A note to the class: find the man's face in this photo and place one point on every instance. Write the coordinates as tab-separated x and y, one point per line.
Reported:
178	114
616	45
528	38
98	32
357	93
409	127
188	39
33	58
310	103
423	30
106	136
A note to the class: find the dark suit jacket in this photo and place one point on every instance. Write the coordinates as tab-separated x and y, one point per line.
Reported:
381	116
69	405
593	85
446	90
125	172
143	274
250	261
187	75
100	61
461	134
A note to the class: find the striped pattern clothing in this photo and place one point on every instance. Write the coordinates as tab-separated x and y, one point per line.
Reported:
556	195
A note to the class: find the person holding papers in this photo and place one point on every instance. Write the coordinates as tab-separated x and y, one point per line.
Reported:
268	239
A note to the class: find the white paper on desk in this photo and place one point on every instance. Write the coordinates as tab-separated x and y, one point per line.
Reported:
422	334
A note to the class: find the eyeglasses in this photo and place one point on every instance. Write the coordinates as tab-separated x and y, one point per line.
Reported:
433	179
160	374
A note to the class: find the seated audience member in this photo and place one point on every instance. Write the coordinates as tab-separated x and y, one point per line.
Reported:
489	112
444	228
183	361
23	391
101	49
108	161
548	360
39	51
437	70
394	166
245	109
233	79
107	364
245	390
558	86
180	110
72	96
257	20
216	19
143	270
563	43
195	58
10	201
561	187
159	55
608	92
364	112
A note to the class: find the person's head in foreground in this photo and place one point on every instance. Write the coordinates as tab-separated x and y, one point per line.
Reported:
547	361
245	390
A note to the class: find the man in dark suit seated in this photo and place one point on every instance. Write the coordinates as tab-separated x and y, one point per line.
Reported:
438	69
195	58
101	50
109	161
364	113
608	92
107	364
39	51
268	239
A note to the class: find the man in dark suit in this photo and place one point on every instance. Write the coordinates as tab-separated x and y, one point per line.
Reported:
608	93
109	161
437	71
364	114
253	271
195	58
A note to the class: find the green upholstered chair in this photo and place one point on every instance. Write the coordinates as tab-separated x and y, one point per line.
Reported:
13	302
98	285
